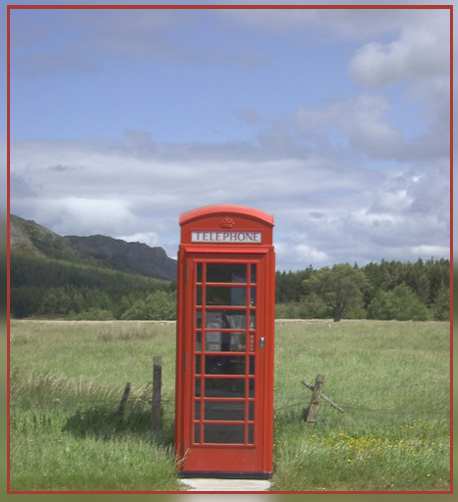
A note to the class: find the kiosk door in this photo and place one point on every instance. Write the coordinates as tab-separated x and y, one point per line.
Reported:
225	364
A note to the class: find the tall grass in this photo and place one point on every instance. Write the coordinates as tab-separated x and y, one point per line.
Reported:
391	378
67	380
393	381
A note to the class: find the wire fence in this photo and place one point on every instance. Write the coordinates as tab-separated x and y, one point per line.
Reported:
281	403
77	397
437	408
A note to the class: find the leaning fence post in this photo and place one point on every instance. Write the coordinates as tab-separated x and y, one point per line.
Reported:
157	384
122	404
330	401
315	401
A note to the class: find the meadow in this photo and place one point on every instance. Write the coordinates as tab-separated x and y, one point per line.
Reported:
391	378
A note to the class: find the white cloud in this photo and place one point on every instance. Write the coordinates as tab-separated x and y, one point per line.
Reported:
149	238
352	179
79	215
294	253
339	23
362	122
425	250
420	52
327	209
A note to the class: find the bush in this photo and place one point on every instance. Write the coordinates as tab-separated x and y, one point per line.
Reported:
159	305
313	307
400	304
441	306
96	314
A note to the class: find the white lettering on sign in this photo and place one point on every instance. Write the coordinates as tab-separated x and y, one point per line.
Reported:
231	237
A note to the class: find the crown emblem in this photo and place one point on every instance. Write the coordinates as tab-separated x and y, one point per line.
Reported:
226	222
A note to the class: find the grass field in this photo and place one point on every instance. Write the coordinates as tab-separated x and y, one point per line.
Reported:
391	378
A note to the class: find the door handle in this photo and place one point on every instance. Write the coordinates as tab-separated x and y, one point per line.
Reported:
262	342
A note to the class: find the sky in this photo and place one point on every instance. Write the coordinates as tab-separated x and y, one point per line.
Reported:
336	121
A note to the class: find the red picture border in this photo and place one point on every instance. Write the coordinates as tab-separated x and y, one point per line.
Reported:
220	7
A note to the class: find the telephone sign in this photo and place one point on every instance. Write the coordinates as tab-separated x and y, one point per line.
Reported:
228	237
225	343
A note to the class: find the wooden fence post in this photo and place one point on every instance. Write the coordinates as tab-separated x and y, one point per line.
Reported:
122	404
157	385
332	403
315	401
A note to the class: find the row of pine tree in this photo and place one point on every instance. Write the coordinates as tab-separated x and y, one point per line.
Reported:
387	290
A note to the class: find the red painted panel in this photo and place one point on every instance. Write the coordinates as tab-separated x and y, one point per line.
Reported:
225	330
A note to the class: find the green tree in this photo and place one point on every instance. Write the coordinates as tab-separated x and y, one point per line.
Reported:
56	301
96	314
159	305
341	288
400	304
313	306
441	306
289	285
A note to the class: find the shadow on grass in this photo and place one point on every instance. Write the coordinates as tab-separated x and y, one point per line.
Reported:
101	422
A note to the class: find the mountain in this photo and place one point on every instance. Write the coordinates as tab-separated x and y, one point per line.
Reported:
31	239
132	257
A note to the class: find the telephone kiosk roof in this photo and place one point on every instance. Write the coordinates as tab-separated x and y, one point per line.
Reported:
226	209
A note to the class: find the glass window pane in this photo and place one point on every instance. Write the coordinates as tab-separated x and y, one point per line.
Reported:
252	347
253	274
215	319
225	365
213	341
251	369
226	272
199	272
198	365
225	296
252	319
198	341
224	410
225	319
250	434
197	387
253	296
251	388
237	342
216	341
198	295
220	387
198	318
196	433
251	410
222	433
196	410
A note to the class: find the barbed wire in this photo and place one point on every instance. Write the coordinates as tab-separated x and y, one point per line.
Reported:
167	406
144	399
401	385
438	407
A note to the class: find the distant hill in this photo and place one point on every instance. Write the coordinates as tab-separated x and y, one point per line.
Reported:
31	239
100	278
131	257
97	278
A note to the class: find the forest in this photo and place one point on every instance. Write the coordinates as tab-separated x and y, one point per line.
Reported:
417	291
49	288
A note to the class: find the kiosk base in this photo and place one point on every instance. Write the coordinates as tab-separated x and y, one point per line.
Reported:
226	475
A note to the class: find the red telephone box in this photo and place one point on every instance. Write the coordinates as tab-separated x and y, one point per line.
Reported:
225	343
